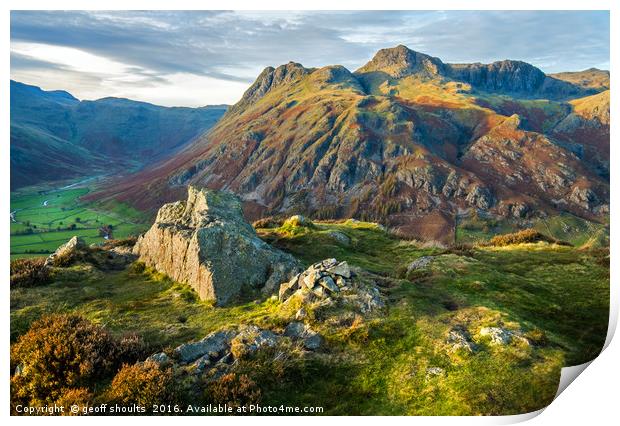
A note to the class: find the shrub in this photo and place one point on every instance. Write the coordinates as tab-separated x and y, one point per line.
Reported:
267	222
124	242
145	384
81	397
29	272
521	237
234	390
59	352
298	221
131	348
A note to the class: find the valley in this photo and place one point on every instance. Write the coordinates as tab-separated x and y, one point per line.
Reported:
44	217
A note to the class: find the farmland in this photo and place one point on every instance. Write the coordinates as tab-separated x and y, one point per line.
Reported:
44	218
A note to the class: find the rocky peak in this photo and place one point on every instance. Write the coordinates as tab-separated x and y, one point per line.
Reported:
400	61
268	80
504	76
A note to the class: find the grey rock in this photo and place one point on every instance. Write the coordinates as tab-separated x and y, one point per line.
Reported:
328	283
583	197
67	250
251	338
213	344
202	363
301	314
459	339
342	269
159	358
206	243
340	282
498	335
310	338
309	278
420	263
319	291
289	288
313	342
434	372
327	263
340	237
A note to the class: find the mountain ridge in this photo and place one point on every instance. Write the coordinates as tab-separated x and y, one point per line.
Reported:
55	136
410	151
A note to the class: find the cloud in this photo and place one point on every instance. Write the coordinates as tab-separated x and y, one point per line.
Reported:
133	51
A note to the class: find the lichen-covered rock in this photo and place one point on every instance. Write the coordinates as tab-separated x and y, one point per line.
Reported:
322	279
159	358
66	251
212	345
340	237
498	335
420	263
77	251
310	338
206	243
459	339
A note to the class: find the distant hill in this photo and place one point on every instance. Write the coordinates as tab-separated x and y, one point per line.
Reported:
56	136
591	78
406	140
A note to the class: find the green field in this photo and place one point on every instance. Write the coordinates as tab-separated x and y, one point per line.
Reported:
42	219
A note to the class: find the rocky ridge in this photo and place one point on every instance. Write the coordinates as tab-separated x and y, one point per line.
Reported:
407	141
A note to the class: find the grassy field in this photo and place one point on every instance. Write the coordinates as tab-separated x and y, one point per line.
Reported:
566	227
558	296
42	219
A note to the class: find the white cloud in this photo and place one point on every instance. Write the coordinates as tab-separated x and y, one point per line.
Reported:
75	59
189	90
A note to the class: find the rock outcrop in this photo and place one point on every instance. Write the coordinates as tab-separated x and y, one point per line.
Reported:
206	243
328	280
322	279
76	250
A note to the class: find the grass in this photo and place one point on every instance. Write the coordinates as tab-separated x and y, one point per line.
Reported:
45	218
565	227
380	364
371	247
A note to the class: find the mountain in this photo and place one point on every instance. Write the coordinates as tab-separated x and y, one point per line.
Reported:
56	136
406	140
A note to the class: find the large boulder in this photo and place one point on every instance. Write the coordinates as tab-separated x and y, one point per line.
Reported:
206	243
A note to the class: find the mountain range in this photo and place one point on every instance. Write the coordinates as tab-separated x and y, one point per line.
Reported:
55	136
407	140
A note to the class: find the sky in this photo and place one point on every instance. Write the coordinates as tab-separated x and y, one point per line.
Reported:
197	58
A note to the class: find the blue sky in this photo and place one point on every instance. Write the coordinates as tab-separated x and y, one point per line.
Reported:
210	57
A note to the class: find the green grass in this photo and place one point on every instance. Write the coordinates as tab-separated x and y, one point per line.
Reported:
162	311
379	365
371	247
39	229
565	227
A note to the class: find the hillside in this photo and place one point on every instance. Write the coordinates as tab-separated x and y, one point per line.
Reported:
406	140
392	328
591	78
54	136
